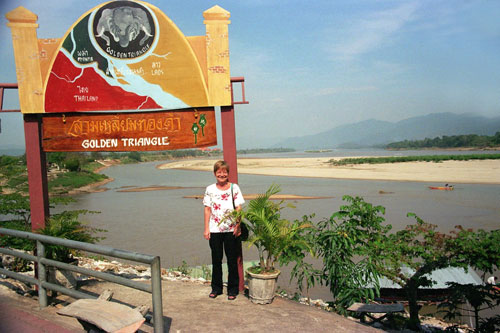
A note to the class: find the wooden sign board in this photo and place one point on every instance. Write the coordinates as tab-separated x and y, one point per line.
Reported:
138	131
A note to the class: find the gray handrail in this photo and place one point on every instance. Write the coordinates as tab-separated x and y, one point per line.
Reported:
43	285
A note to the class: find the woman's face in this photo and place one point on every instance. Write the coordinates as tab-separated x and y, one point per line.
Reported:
221	175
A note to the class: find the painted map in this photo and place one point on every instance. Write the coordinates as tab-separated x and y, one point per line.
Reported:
124	56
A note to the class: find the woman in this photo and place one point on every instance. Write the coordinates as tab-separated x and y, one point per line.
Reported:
221	230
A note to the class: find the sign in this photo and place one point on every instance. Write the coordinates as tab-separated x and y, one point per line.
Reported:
129	56
138	131
122	56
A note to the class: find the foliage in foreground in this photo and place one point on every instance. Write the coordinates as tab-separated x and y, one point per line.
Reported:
276	239
409	257
357	249
350	244
480	297
67	225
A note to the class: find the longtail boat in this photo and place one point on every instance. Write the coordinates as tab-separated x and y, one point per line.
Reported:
443	188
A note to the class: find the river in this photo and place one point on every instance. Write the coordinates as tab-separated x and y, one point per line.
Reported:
167	224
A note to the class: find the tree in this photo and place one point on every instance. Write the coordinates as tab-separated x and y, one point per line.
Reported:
72	164
96	155
349	243
57	158
16	205
303	271
410	255
480	297
135	156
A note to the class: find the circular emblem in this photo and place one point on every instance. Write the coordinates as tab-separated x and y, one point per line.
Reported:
123	30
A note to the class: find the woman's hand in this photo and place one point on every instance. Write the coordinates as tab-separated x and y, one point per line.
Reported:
237	230
206	217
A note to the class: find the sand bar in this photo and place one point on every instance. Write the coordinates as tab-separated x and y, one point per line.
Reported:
149	188
451	172
252	196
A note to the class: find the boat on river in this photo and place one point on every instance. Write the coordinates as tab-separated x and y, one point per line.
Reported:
443	188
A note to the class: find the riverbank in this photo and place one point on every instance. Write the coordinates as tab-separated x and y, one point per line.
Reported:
451	172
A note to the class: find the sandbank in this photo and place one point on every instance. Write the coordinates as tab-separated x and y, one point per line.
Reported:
91	188
150	188
273	197
451	172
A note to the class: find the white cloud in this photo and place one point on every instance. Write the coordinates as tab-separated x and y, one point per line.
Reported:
250	62
370	32
344	90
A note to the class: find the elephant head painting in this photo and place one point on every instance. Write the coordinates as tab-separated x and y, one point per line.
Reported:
124	24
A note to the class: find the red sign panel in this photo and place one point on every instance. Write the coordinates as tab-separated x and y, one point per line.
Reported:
144	131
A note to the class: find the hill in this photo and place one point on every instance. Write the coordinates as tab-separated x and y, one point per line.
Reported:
373	132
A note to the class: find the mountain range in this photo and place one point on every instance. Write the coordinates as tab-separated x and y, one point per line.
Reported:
367	133
374	132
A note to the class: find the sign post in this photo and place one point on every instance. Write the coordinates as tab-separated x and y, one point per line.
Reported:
37	172
25	43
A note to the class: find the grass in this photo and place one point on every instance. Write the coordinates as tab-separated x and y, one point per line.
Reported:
71	180
423	158
15	175
92	166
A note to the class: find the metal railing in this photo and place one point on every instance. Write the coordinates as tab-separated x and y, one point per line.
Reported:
41	240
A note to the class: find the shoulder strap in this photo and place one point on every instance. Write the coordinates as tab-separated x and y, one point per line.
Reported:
232	197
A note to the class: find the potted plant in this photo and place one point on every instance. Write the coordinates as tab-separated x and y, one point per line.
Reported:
276	239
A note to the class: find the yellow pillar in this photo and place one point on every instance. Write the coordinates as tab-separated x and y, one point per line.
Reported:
219	78
23	27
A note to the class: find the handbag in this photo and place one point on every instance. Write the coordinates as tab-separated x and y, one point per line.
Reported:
243	227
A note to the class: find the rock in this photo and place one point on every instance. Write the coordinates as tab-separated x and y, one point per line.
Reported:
7	261
20	287
142	269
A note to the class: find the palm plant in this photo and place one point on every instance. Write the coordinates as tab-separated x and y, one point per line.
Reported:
276	238
67	225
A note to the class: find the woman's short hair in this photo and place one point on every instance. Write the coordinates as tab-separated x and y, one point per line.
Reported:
221	165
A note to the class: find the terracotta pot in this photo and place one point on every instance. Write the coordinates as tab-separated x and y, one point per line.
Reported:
262	287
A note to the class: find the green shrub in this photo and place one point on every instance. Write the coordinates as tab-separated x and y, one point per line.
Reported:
349	244
136	156
16	242
67	225
72	164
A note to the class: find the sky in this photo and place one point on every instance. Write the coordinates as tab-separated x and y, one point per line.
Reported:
310	66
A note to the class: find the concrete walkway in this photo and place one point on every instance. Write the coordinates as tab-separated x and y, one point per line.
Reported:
186	308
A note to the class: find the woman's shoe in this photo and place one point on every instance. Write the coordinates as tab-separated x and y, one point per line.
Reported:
231	297
214	294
